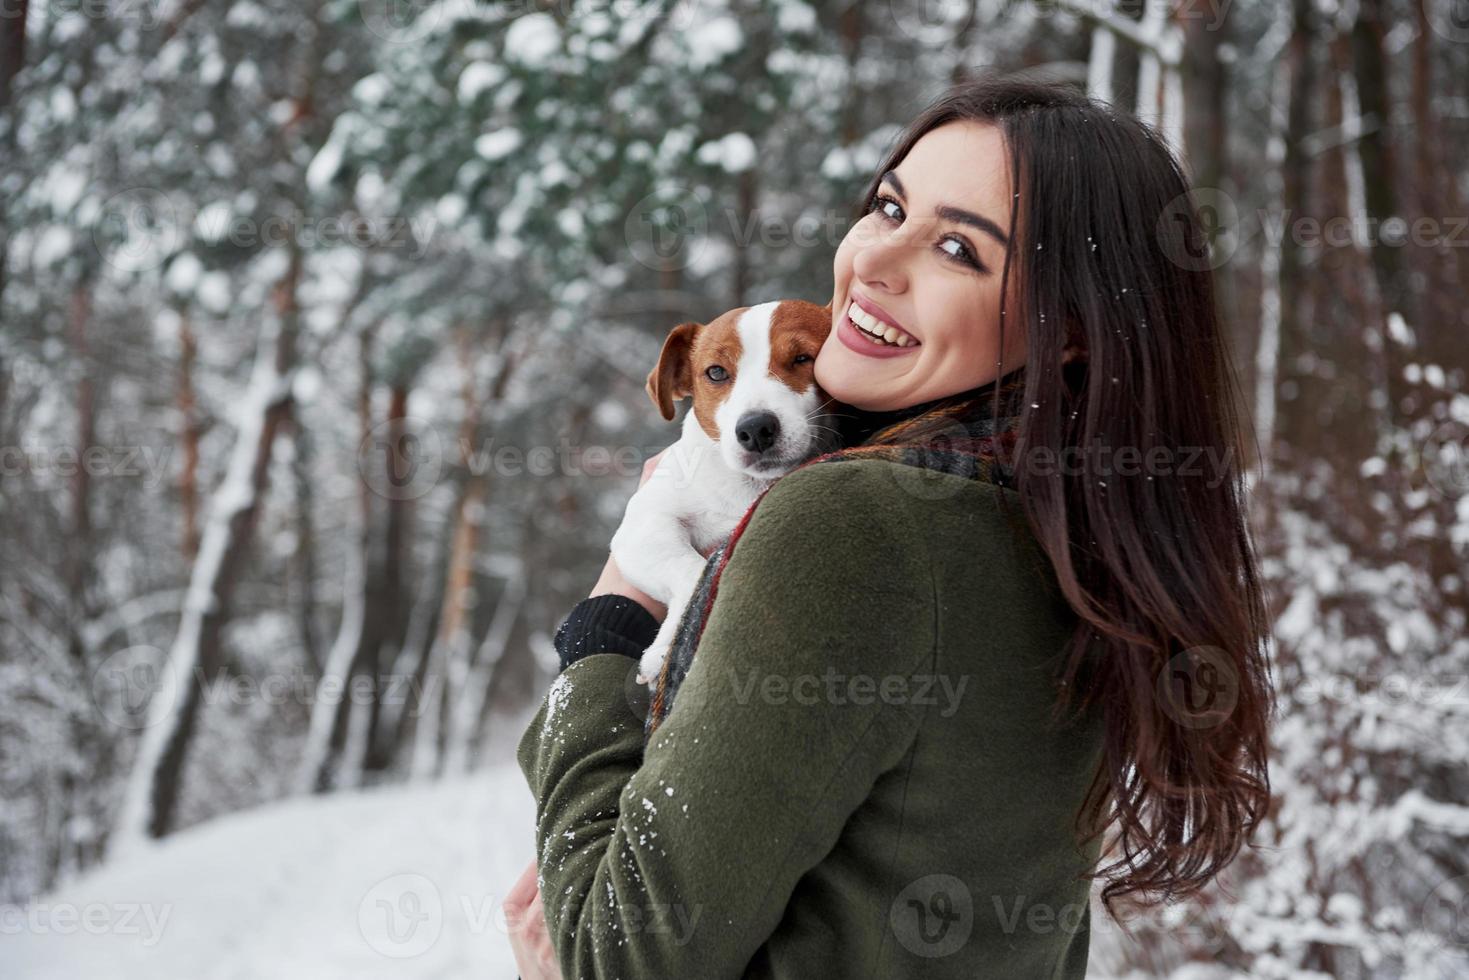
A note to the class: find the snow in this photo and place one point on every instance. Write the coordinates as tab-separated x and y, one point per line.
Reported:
1399	330
711	40
735	152
399	883
326	163
476	77
532	39
497	144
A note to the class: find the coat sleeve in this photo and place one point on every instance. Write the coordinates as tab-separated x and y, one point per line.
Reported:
679	860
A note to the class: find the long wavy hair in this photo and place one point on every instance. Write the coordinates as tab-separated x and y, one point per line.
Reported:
1125	355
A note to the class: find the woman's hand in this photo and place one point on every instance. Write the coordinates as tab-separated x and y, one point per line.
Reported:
535	958
612	580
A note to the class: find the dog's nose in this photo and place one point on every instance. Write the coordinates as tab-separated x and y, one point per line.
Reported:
757	431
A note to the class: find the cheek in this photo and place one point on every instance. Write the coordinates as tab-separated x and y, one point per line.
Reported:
841	263
964	321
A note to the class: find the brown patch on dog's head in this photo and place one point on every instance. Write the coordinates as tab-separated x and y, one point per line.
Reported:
798	328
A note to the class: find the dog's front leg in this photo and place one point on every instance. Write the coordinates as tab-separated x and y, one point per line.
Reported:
651	664
653	549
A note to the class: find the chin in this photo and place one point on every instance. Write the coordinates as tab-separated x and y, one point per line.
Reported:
846	386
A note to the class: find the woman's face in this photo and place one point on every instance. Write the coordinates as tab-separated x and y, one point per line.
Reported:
926	261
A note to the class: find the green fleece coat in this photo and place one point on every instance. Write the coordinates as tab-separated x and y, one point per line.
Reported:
860	776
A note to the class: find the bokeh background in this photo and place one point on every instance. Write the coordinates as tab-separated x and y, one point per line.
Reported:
325	329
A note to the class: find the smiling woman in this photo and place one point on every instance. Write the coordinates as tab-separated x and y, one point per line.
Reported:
921	270
1105	628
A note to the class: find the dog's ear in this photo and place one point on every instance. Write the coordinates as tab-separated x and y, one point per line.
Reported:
673	378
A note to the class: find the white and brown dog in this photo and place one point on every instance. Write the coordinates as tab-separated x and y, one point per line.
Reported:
757	414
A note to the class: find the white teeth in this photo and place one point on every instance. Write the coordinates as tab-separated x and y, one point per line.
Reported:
876	329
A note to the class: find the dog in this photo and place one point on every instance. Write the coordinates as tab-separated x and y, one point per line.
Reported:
757	414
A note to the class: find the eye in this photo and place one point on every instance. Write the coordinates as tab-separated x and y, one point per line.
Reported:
716	373
880	204
961	255
802	359
961	252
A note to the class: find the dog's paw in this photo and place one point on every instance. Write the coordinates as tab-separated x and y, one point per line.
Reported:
651	664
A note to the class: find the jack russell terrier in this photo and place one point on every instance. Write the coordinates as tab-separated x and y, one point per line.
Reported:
757	414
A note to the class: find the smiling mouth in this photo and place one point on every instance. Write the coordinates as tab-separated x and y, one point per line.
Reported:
877	330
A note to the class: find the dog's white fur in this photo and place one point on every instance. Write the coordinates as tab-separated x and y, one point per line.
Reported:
702	486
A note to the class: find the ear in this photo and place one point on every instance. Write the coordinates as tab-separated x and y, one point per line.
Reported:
673	379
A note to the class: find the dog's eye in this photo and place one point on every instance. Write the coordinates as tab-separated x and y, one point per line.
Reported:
716	373
803	358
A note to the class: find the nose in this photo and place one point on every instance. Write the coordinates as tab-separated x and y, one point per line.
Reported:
881	263
757	431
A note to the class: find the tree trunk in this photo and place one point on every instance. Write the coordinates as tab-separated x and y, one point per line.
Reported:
155	784
474	692
188	437
1380	172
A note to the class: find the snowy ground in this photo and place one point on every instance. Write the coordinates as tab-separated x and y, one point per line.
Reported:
394	882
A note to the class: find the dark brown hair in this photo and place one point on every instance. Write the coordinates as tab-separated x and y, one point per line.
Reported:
1124	349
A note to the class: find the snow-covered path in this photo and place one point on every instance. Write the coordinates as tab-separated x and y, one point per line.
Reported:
391	882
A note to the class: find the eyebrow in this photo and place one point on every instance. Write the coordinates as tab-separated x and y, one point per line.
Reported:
951	213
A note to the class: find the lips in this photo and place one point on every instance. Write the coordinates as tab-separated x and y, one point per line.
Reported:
860	341
880	321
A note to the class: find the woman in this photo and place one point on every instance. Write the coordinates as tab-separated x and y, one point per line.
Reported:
1080	605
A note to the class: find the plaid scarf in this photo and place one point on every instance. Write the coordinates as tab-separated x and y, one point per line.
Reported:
970	443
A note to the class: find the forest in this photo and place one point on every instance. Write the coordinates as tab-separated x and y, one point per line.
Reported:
324	329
